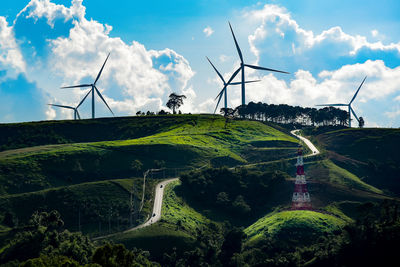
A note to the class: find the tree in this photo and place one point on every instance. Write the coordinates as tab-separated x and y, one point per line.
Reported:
361	122
117	255
175	101
137	166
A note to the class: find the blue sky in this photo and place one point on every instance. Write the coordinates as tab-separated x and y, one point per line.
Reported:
159	47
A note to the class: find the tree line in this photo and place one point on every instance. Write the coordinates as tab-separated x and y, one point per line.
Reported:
286	114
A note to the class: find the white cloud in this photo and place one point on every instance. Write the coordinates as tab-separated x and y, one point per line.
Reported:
11	58
374	33
393	114
397	98
37	9
274	19
223	58
134	77
208	31
336	86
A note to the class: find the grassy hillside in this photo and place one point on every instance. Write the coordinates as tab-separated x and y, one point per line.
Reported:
294	227
368	153
187	141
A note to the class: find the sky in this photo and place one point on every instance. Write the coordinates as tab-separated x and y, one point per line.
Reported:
160	47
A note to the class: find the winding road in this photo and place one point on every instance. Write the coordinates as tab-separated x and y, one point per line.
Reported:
155	215
314	150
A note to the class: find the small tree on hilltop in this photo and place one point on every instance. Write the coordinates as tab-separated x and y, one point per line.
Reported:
175	101
361	122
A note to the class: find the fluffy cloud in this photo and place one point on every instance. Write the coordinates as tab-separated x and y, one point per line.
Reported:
37	9
276	20
10	55
134	77
208	31
336	86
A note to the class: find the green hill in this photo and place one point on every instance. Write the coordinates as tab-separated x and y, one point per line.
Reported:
295	227
190	141
79	167
371	154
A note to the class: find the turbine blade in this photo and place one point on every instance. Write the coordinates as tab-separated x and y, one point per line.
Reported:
61	106
76	86
252	81
101	70
236	43
219	99
355	116
80	103
229	81
237	83
262	68
219	74
103	99
333	105
357	90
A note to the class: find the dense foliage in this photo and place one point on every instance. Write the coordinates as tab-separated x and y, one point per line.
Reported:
45	235
283	113
236	192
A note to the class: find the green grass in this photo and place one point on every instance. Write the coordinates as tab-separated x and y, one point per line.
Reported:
326	170
178	214
157	239
192	141
293	225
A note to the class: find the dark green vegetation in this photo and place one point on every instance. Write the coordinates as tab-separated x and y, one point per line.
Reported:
231	207
290	115
371	154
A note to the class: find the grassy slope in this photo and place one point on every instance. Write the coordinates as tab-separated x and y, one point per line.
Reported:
191	142
326	170
368	153
293	226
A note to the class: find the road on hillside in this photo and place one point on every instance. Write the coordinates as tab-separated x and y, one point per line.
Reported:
155	216
314	150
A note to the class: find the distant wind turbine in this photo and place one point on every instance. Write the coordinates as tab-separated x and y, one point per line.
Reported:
241	68
225	84
76	113
94	88
347	105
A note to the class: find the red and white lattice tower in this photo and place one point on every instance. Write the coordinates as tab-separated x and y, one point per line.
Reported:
301	198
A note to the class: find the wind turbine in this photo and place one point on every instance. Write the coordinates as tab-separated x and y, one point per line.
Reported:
347	105
94	88
76	113
241	68
225	84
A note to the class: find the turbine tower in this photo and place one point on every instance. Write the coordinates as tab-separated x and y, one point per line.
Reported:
241	68
225	84
351	110
92	90
76	113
